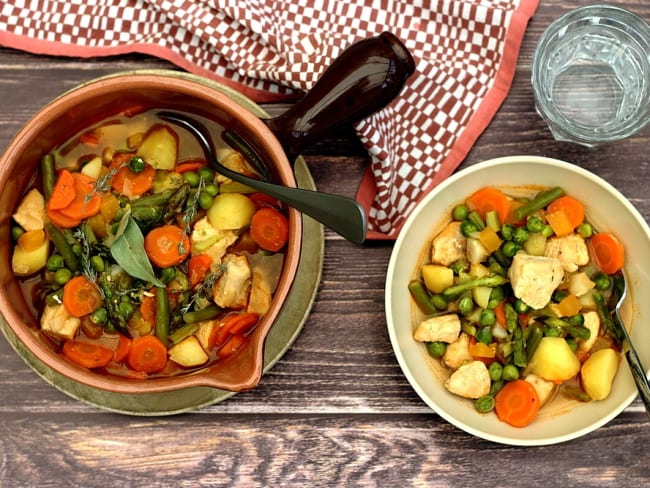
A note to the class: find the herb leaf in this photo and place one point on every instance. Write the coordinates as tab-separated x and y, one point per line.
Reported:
128	251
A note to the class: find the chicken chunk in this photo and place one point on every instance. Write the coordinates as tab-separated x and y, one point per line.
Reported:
444	328
233	286
30	214
58	322
266	272
206	239
544	388
571	250
471	380
457	352
592	322
448	246
535	278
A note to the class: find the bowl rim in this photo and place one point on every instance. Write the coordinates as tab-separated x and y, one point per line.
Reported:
206	91
392	269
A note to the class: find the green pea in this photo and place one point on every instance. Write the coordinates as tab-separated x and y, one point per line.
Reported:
577	319
77	249
510	372
211	189
460	213
137	164
99	316
520	306
602	281
510	248
97	263
467	228
16	232
54	262
167	274
466	305
488	318
547	231
534	224
496	296
559	295
484	335
62	276
191	178
207	174
507	231
436	349
205	200
125	308
484	404
585	230
520	235
496	371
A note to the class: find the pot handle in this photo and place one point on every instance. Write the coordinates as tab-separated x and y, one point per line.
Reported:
362	80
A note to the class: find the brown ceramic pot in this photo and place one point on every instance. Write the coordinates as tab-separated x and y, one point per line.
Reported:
368	76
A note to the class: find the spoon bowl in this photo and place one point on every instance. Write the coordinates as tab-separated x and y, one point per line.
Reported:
341	214
633	359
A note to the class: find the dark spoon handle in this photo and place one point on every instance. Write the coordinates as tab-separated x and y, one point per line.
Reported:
639	375
362	80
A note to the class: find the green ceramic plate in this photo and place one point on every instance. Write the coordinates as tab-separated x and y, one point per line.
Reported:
281	336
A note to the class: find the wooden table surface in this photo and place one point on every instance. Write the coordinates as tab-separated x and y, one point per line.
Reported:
336	410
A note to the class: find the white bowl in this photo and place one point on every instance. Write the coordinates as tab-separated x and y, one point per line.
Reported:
606	208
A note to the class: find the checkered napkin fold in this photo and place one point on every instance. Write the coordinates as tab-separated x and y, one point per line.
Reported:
465	50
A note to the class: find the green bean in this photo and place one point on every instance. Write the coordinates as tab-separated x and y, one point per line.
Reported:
540	201
125	308
162	315
61	244
48	175
507	230
476	219
606	318
575	393
520	306
492	220
532	341
181	333
99	316
421	297
459	266
519	357
154	200
490	280
468	328
147	214
484	404
484	334
167	274
436	349
207	313
496	386
512	320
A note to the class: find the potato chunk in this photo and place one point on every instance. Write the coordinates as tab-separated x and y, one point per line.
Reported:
554	360
598	373
188	353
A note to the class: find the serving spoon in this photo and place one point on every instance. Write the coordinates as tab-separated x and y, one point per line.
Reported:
341	214
636	368
363	79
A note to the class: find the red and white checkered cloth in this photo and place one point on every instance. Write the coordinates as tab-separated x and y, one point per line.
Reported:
465	50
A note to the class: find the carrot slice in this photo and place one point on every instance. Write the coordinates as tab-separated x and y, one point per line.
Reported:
231	347
148	308
86	202
234	324
269	229
147	354
133	184
87	354
60	220
517	403
500	313
490	199
190	165
572	208
560	223
63	192
198	268
263	200
123	347
81	296
167	245
608	252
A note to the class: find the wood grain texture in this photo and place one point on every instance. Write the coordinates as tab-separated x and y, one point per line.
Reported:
336	410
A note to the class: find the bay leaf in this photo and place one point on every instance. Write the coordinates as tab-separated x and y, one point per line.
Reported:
128	252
